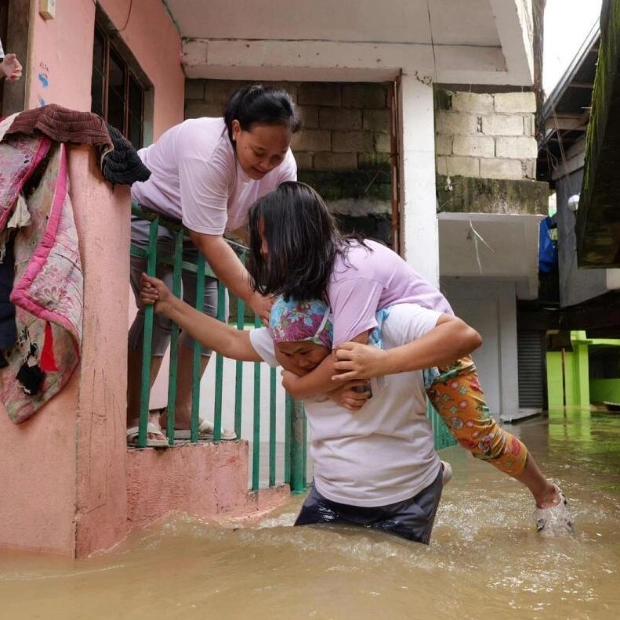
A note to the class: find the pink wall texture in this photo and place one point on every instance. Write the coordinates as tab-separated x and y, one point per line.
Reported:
61	59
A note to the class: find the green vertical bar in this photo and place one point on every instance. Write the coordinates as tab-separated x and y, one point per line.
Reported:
219	368
297	449
174	340
256	431
272	426
239	373
288	406
200	292
304	457
145	386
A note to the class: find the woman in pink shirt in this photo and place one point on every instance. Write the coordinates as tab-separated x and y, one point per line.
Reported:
206	173
298	252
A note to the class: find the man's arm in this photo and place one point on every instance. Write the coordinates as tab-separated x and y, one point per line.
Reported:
449	340
230	270
210	332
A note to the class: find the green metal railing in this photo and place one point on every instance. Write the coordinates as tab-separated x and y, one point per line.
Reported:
293	460
442	436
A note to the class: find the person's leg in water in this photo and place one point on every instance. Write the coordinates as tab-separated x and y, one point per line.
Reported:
459	400
412	519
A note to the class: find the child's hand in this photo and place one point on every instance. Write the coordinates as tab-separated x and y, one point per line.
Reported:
352	395
358	361
289	379
154	292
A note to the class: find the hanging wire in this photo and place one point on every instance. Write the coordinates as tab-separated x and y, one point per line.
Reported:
430	27
128	16
476	237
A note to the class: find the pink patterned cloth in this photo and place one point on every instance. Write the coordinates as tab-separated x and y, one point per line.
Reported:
48	288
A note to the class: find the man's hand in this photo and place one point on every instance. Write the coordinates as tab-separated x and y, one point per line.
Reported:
359	361
11	68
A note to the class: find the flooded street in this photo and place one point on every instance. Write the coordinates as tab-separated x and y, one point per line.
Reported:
485	559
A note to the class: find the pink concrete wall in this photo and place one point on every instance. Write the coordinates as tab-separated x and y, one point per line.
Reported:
205	480
37	485
61	62
102	220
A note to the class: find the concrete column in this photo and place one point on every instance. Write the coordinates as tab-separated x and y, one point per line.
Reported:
102	220
508	352
419	231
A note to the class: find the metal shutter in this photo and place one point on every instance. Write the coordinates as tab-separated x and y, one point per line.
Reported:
531	369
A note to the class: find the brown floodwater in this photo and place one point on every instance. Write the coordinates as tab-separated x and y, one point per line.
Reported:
485	559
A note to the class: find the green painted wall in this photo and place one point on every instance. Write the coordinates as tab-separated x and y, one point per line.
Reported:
580	390
576	374
602	390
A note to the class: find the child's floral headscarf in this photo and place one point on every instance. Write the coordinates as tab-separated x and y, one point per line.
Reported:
297	321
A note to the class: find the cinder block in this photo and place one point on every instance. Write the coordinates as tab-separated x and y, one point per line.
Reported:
474	146
456	124
376	120
195	109
441	166
501	169
364	96
516	148
373	160
312	140
310	116
443	145
335	161
340	118
304	160
472	103
312	93
383	143
219	91
194	89
463	166
352	142
502	125
529	125
513	103
529	169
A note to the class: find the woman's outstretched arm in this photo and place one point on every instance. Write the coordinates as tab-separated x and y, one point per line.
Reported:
210	332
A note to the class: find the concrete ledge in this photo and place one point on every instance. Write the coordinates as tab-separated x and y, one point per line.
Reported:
461	194
520	414
205	480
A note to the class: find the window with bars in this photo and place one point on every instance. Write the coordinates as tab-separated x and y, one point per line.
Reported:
116	93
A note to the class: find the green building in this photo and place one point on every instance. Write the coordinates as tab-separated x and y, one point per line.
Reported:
585	372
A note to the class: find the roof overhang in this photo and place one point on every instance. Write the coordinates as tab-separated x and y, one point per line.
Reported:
449	41
598	217
491	246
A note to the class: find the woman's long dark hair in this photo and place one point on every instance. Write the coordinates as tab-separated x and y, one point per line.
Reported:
261	105
303	241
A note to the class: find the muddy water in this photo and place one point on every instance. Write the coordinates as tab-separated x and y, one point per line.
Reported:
485	560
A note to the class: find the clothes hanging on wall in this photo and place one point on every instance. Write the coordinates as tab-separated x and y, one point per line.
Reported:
42	292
